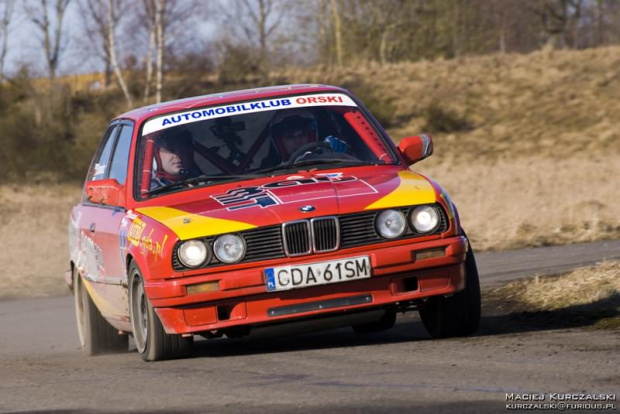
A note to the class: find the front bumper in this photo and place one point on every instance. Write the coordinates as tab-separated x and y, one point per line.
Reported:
398	275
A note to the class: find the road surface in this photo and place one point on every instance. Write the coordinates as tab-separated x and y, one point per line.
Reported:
42	370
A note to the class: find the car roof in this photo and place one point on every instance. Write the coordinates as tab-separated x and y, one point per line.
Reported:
140	114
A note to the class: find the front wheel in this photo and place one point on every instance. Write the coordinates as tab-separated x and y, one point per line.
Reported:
152	342
459	314
96	335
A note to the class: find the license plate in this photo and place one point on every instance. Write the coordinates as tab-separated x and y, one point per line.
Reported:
315	274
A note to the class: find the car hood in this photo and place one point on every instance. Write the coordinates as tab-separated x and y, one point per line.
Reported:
274	200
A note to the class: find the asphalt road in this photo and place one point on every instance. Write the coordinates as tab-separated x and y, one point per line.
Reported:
42	370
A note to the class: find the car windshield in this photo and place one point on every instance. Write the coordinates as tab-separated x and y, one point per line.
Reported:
252	139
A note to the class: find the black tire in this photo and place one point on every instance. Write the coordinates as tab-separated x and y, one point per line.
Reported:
96	335
152	342
386	322
459	314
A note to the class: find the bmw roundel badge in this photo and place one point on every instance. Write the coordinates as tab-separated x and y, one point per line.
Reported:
307	209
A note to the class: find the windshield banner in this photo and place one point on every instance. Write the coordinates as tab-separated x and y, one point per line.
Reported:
197	115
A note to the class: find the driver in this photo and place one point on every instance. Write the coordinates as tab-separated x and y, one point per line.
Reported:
292	130
173	158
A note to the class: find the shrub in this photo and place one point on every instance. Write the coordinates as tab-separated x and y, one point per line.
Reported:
440	119
382	108
238	63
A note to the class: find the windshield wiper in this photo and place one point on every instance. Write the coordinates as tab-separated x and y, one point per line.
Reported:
331	161
198	180
287	166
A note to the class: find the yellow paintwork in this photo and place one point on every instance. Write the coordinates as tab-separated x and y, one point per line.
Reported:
103	305
189	226
412	189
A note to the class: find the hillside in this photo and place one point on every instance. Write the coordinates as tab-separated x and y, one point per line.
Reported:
528	146
550	103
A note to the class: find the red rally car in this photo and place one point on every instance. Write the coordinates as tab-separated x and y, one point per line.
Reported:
231	213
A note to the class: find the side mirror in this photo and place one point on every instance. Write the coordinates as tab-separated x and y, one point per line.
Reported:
108	192
416	148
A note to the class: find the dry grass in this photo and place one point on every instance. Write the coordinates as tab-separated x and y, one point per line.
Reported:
77	82
534	154
514	203
536	161
33	230
503	204
550	103
589	292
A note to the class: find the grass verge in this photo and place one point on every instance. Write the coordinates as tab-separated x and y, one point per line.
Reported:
588	296
503	205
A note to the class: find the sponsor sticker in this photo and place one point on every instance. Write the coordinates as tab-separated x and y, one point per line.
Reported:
196	115
279	192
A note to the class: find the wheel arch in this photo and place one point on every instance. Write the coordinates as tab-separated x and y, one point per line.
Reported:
140	260
69	275
128	259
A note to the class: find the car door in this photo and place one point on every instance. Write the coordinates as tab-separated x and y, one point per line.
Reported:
110	286
86	217
107	231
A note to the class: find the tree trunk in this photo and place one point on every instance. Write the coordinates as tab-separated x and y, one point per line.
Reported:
337	32
323	42
149	64
107	74
383	46
261	29
262	35
51	42
113	60
502	41
160	5
61	6
600	37
51	66
573	24
4	33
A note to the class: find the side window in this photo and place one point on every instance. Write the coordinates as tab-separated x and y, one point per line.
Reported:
99	168
120	160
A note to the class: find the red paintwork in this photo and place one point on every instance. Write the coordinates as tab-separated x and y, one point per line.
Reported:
414	149
247	288
101	253
107	192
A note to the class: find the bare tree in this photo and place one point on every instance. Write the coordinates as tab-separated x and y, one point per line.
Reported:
559	18
7	12
111	31
160	7
149	8
155	11
165	24
96	28
52	36
260	20
254	23
337	24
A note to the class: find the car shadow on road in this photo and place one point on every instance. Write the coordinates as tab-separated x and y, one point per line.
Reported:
497	319
406	330
514	317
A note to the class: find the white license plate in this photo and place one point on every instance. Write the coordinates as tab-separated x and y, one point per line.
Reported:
315	274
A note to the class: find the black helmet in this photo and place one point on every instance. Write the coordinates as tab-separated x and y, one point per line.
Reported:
175	140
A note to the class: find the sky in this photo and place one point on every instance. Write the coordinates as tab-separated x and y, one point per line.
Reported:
25	44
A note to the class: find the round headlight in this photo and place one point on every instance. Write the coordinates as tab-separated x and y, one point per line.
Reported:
391	224
229	248
193	253
425	219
